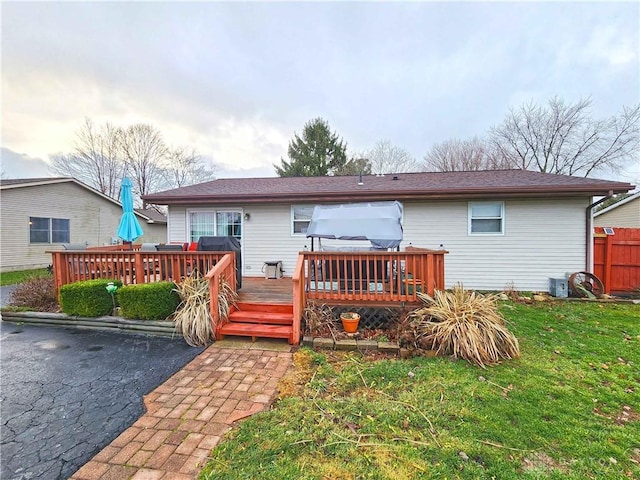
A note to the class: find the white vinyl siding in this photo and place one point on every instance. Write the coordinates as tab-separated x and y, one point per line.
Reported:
545	239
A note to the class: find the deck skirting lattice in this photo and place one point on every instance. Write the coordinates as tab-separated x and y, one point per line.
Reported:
374	318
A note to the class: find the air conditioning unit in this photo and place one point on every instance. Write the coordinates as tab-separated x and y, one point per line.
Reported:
559	287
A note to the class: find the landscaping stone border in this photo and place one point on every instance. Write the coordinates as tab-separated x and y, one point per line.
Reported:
166	329
351	344
106	323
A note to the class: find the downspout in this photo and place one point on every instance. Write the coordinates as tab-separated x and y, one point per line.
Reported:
589	232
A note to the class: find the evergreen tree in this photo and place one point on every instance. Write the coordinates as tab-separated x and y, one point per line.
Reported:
319	152
355	166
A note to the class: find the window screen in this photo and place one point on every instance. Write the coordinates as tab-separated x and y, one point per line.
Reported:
300	219
486	218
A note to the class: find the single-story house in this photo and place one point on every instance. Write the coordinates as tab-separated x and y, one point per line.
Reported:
622	214
501	228
41	214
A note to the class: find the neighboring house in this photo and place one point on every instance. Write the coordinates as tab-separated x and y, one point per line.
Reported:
501	228
40	214
156	224
622	214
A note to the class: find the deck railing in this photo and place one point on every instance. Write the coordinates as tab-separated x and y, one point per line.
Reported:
129	266
224	270
375	277
299	299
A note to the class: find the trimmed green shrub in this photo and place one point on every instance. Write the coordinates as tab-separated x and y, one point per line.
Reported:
148	301
88	298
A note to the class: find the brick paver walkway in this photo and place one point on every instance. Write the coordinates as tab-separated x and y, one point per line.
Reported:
188	415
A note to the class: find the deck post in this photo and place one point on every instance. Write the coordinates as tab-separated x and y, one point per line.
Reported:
608	258
298	299
139	277
431	273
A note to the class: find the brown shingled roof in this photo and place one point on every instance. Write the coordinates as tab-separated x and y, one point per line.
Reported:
152	214
426	185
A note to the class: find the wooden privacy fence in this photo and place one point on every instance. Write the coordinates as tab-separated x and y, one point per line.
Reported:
616	259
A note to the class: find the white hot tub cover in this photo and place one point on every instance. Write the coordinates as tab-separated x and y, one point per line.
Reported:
378	222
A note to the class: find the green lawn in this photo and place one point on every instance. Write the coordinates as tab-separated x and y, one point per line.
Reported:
568	408
11	278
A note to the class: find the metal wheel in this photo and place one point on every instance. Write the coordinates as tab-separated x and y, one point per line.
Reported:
581	284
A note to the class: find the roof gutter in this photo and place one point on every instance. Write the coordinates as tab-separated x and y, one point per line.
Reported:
376	195
589	230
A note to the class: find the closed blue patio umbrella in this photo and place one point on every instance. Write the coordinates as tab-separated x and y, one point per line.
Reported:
129	228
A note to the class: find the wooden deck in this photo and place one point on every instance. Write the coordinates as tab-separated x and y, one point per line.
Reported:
342	278
262	290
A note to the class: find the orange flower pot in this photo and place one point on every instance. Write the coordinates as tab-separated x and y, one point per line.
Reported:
350	321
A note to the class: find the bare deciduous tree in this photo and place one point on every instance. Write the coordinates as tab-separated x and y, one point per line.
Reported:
186	167
563	138
103	156
145	152
95	160
462	155
385	157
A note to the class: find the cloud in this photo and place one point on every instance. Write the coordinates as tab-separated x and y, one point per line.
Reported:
235	80
20	165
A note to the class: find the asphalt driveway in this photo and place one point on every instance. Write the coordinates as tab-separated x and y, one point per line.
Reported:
67	393
5	294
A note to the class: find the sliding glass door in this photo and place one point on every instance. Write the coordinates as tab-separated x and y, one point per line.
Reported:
229	224
221	223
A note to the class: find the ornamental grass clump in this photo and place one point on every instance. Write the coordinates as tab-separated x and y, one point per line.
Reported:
464	324
192	318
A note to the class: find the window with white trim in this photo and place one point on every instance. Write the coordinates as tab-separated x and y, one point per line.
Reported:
300	219
211	223
486	218
201	224
229	224
49	230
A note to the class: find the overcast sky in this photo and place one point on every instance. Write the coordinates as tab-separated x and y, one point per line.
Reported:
236	80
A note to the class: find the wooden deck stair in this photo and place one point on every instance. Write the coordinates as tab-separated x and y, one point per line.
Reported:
259	320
